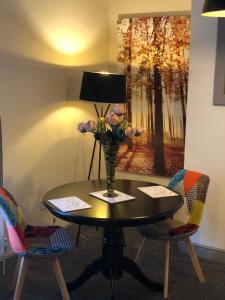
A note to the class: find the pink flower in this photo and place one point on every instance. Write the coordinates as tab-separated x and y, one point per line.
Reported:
81	127
119	109
112	119
129	131
90	126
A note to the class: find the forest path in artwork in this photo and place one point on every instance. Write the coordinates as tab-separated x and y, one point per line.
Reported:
139	158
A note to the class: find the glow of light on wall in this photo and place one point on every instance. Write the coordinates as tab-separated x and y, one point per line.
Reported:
55	122
67	42
66	33
64	115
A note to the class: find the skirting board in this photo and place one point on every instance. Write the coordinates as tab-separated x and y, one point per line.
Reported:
204	252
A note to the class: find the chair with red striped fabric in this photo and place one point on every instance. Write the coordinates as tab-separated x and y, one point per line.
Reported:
193	187
34	242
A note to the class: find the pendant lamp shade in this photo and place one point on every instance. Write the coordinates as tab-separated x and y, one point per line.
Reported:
214	8
103	87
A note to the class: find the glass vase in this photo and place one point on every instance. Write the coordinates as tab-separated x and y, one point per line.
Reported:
110	152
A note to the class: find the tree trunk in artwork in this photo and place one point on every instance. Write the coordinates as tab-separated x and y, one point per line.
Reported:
173	129
129	93
169	118
151	118
168	100
186	87
128	73
159	160
129	83
142	115
150	105
182	128
182	98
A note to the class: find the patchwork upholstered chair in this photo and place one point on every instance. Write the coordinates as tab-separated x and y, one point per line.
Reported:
193	187
33	242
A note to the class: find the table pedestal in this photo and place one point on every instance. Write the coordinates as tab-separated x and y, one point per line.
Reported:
113	263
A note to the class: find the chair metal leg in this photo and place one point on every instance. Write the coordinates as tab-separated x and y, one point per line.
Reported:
78	235
60	279
194	259
21	276
166	270
3	266
15	275
4	259
139	250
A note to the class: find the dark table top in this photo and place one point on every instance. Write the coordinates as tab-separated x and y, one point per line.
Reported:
142	210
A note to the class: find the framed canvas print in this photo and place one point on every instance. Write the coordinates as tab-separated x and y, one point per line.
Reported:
153	52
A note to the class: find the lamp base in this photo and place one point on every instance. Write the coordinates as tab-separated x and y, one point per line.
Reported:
110	195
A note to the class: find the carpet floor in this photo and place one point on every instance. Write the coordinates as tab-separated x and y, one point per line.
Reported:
40	283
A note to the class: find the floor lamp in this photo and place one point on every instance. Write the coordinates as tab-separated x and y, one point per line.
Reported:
99	88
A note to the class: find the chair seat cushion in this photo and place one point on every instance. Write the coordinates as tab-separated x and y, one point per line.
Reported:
45	241
167	230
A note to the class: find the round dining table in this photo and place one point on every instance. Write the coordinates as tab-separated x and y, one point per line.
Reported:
113	218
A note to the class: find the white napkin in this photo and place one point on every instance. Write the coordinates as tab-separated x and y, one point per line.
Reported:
69	203
157	191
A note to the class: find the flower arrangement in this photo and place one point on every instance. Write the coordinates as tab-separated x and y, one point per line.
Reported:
111	129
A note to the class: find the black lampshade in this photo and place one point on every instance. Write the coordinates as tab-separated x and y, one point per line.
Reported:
103	87
214	8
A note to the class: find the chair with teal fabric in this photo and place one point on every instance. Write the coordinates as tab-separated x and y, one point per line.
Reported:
193	187
34	242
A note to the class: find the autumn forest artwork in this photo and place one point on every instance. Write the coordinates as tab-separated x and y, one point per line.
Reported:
154	54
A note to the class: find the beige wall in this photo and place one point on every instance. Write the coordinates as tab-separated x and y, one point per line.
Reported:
56	32
43	45
205	145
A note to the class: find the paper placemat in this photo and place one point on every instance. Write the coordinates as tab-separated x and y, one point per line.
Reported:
157	191
112	200
66	204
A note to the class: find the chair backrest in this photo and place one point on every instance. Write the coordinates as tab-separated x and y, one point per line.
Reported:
13	217
193	187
